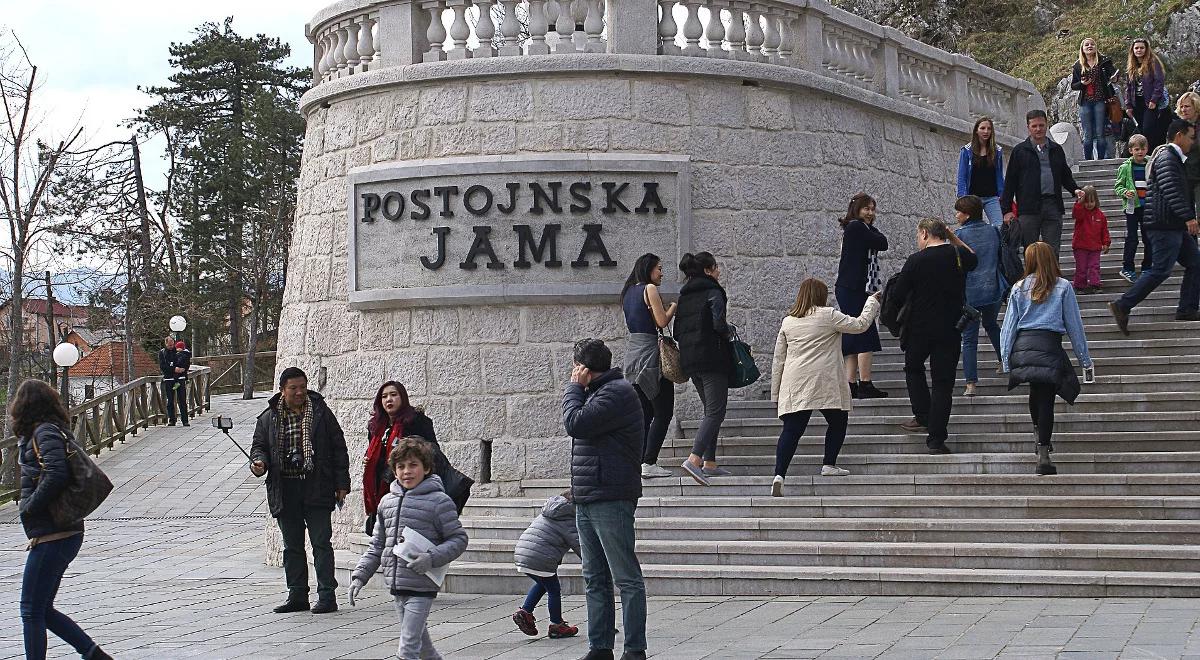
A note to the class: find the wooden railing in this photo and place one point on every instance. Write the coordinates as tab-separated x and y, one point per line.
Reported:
230	371
111	417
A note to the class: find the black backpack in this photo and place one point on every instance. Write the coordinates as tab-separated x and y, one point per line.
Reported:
892	312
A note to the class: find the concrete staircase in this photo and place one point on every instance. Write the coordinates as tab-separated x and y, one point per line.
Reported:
1122	517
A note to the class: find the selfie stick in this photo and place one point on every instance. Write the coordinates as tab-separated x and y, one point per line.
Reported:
235	443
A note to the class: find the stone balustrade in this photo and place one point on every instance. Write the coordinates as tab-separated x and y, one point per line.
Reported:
357	36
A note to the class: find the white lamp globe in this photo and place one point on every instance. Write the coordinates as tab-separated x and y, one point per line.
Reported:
66	355
178	324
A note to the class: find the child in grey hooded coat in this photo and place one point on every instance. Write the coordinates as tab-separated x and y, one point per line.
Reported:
423	507
538	554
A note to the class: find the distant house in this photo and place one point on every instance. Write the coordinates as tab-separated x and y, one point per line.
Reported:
104	369
87	340
36	334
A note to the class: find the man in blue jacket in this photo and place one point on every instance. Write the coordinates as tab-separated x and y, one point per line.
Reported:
1170	229
603	416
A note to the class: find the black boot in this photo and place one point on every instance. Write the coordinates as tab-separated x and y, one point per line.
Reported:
854	391
867	390
1045	466
598	654
293	604
324	606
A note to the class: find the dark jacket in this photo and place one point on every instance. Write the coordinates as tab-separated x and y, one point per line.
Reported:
605	424
331	463
858	239
1104	71
1192	167
1023	180
701	328
183	360
1038	357
166	363
40	487
546	541
933	284
1169	203
1153	88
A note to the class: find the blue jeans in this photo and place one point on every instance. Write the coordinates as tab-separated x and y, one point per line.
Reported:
606	547
1092	117
44	568
1132	222
543	586
991	209
970	340
1168	246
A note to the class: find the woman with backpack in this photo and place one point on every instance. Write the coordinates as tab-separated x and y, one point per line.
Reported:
985	284
38	420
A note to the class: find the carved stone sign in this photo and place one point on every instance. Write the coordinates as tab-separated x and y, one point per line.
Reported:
498	229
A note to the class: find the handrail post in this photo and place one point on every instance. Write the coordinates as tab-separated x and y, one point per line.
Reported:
632	26
401	28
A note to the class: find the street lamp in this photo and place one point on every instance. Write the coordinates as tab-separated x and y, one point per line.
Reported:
177	324
66	355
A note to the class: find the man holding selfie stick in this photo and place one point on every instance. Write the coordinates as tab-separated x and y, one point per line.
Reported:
299	445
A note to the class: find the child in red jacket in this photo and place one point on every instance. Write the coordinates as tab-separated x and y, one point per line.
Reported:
1091	239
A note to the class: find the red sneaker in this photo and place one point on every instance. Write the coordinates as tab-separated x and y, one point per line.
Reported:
564	629
525	622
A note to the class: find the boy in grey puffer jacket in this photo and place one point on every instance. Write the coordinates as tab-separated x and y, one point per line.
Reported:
418	502
538	554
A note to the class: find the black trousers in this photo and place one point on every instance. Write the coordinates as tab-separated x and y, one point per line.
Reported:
794	425
1041	410
176	397
295	519
931	407
656	416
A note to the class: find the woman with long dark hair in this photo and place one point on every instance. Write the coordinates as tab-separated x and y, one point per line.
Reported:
392	417
645	316
1146	91
39	420
703	331
1041	309
1091	77
858	277
981	169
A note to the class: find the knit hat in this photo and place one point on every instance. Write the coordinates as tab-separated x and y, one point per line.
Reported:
179	346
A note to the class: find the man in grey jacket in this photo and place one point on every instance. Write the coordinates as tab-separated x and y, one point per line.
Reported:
1170	229
603	416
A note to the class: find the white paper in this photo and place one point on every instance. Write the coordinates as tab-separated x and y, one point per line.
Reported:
414	545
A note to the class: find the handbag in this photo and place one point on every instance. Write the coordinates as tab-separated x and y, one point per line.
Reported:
745	372
668	357
1112	107
87	485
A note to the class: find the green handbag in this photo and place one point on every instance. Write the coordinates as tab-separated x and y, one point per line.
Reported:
745	372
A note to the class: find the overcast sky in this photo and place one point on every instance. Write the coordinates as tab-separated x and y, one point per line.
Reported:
93	54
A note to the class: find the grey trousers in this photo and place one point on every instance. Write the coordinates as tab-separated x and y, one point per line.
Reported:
415	642
713	389
1045	226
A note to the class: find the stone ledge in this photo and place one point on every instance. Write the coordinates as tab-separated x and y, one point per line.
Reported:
565	65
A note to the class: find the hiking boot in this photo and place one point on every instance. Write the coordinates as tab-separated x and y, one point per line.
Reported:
833	471
526	623
292	605
1120	316
1044	465
560	630
914	426
1129	275
324	606
867	390
1187	316
777	486
695	473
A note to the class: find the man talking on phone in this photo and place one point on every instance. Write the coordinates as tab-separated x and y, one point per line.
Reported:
299	445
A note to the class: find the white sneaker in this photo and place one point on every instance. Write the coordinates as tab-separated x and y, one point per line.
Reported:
833	471
777	487
652	471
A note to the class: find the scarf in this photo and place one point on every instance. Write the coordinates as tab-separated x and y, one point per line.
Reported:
306	424
874	278
378	449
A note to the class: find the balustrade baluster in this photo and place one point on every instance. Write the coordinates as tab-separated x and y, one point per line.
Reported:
594	26
565	27
693	29
667	29
350	51
579	12
735	34
537	28
436	33
773	38
715	32
324	63
788	40
551	21
754	36
510	28
460	31
339	52
366	42
485	29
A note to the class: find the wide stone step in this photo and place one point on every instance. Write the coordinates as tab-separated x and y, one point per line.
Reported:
809	484
1132	366
1150	402
1013	556
1064	443
1180	338
990	385
679	580
946	505
1064	422
897	530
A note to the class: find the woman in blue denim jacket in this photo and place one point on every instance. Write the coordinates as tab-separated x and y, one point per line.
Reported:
985	284
981	169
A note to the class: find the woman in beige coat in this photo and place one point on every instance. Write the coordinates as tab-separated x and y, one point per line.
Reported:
806	374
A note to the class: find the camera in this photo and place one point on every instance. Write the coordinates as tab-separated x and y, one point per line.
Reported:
969	316
295	458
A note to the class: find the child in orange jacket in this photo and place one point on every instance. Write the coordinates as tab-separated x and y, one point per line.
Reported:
1091	239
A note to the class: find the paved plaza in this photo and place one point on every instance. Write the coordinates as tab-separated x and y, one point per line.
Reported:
172	567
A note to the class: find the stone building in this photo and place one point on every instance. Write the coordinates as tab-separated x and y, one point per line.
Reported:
753	131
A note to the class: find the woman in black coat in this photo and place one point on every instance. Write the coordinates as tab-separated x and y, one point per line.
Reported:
39	418
859	277
702	330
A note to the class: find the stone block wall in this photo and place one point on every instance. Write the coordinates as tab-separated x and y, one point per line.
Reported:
771	170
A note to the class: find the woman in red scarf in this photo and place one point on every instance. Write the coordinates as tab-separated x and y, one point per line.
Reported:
393	417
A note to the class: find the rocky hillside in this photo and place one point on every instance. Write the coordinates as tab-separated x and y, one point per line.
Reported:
1039	39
